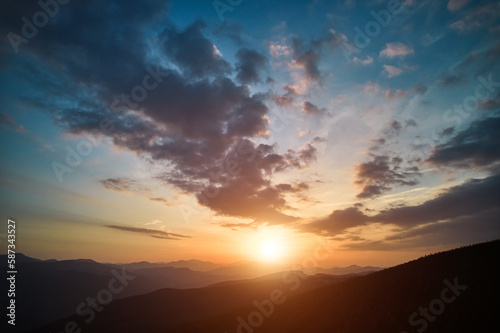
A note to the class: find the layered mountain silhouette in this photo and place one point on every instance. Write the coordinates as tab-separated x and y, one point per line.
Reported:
453	291
48	290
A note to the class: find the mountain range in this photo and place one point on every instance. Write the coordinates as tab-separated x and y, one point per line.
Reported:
48	290
452	291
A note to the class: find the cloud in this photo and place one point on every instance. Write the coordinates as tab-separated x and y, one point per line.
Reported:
389	94
337	222
308	61
242	185
393	50
365	62
376	176
193	52
122	184
420	89
192	122
311	109
7	123
278	49
453	80
392	71
454	5
454	205
158	199
287	99
308	58
483	16
250	64
476	146
150	232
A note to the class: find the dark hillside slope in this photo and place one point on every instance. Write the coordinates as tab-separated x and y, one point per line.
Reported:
384	301
379	302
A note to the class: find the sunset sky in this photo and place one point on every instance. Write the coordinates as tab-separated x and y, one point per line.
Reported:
167	130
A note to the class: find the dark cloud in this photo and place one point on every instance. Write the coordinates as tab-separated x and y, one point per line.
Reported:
88	40
191	118
250	64
122	184
308	61
337	222
420	89
311	109
384	170
150	232
477	146
308	57
410	123
446	131
376	176
158	199
241	186
465	204
190	49
455	202
394	129
453	80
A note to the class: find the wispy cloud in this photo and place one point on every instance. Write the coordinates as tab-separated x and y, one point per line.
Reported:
150	232
122	184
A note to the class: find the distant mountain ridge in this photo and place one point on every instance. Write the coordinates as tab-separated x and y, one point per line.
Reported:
51	289
397	299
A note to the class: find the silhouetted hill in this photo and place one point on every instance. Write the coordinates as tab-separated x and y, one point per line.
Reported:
193	264
353	269
247	269
167	308
460	286
49	290
386	300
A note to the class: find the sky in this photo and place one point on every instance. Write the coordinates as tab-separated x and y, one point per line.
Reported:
239	130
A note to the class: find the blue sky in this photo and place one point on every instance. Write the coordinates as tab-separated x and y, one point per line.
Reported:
159	131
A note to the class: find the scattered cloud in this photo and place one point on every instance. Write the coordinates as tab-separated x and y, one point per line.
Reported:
311	109
364	62
392	71
454	205
393	50
484	16
382	171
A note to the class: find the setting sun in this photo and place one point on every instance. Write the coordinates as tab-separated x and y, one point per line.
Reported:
270	251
